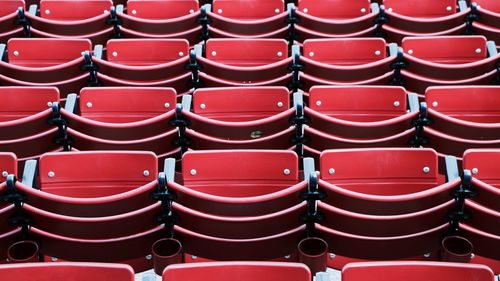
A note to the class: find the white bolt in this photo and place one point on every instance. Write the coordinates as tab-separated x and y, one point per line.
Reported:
286	172
426	170
89	104
448	8
280	104
318	103
167	105
306	10
105	11
396	103
434	104
53	259
115	54
331	171
16	53
427	255
280	54
5	174
49	104
475	171
363	10
51	174
377	53
219	11
311	54
390	9
214	53
181	54
194	257
149	257
332	255
145	173
134	12
47	12
277	11
287	257
203	106
410	52
478	50
191	11
472	256
192	172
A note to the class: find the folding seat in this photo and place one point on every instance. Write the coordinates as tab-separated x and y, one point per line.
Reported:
352	60
77	271
359	116
414	270
384	203
335	18
8	14
23	120
463	117
232	62
257	271
8	165
236	18
9	7
161	19
488	20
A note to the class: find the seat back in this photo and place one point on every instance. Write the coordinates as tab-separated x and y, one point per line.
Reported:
422	9
470	103
161	9
416	271
71	10
359	103
8	7
239	173
139	52
240	104
40	52
483	163
446	49
20	102
335	9
242	271
96	173
75	271
248	10
8	165
381	171
490	5
125	104
246	52
352	51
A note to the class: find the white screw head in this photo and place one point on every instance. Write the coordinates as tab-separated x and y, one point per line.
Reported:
434	104
51	174
194	257
427	255
145	173
219	11
280	54
280	104
191	11
203	106
53	259
286	172
410	52
475	171
49	104
287	257
115	54
363	10
192	172
377	53
448	8
306	10
181	54
396	103
390	9
47	12
332	255
5	174
214	53
478	50
311	54
277	11
426	170
318	103
331	171
149	257
89	104
134	12
167	105
16	53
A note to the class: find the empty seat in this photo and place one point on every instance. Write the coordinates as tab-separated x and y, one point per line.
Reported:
8	7
66	10
335	9
248	10
8	165
422	9
161	9
255	271
413	271
77	271
25	102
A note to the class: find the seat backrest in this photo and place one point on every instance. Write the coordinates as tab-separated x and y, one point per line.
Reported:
446	49
161	9
470	103
246	52
20	102
483	164
146	51
359	103
71	10
239	173
491	5
8	165
248	10
335	9
351	51
422	8
240	103
416	271
8	7
59	271
241	271
125	104
96	173
381	171
40	52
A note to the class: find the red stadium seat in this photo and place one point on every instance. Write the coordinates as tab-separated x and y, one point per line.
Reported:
161	9
8	7
8	165
245	10
335	9
65	10
422	9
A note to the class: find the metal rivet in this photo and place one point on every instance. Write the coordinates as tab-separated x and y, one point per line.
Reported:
332	255
219	11
280	104
134	12
47	11
331	171
306	10
214	53
145	173
105	11
5	174
286	172
311	54
377	53
53	259
256	134
49	104
363	10
288	257
448	8
280	54
167	105
434	104
396	103
472	256
194	257
89	104
51	174
203	106
475	171
427	255
191	11
426	170
16	53
277	11
318	103
478	50
149	257
115	54
192	172
181	54
410	52
390	9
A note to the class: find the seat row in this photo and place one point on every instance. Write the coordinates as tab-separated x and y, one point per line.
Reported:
271	18
378	204
71	64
